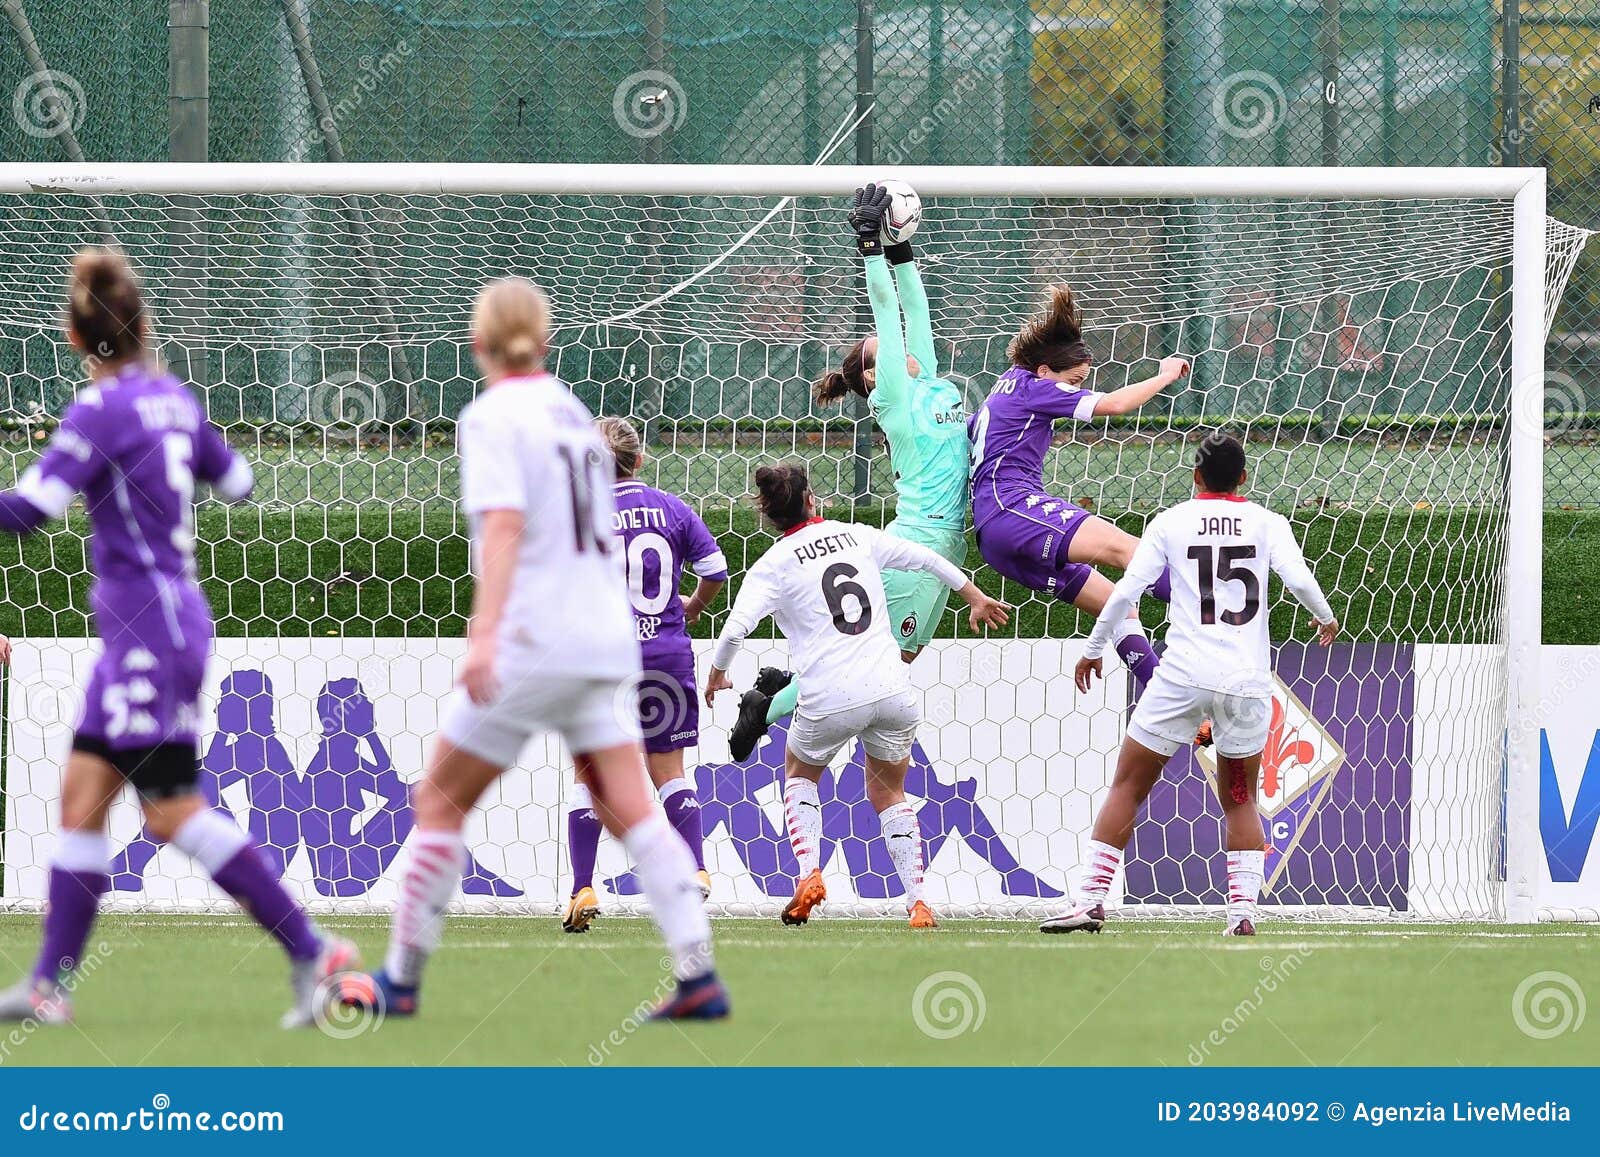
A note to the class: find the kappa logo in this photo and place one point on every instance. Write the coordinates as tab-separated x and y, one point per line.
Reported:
1298	764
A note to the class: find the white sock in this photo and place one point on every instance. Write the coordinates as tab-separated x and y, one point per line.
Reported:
82	851
672	787
1101	865
666	872
431	878
1245	870
904	837
210	838
803	810
580	800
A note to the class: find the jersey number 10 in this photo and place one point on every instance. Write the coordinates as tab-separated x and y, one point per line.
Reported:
1217	564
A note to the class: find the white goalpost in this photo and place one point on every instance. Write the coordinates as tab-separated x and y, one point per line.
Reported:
1378	335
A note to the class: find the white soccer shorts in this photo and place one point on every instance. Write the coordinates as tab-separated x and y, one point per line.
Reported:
886	729
589	714
1169	714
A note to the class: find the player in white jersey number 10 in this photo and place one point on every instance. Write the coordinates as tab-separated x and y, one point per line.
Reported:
822	582
1219	547
551	646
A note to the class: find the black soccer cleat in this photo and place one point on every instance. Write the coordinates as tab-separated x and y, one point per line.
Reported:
752	722
770	680
750	726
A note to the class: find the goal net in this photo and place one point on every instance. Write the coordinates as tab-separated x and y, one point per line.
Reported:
1359	333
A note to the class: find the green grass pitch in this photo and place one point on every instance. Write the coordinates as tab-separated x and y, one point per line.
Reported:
516	991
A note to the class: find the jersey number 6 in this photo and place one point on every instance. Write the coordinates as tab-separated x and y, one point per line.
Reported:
836	587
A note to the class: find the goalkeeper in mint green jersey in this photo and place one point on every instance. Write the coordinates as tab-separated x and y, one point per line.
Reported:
923	416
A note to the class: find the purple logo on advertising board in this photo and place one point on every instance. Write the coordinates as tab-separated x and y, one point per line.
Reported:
1335	792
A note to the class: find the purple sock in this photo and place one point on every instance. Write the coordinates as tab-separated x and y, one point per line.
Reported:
1139	655
74	900
1162	587
249	881
583	844
683	812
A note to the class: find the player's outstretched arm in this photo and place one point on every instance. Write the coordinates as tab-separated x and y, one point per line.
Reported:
890	380
1129	398
221	465
71	462
893	553
914	306
757	598
1289	562
709	565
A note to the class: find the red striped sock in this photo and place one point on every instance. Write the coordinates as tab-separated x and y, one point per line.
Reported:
429	884
802	811
1100	867
1245	870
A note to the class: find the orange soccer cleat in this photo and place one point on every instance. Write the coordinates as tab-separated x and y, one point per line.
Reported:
1202	737
811	892
922	916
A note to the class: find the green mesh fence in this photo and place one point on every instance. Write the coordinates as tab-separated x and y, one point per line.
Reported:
1124	82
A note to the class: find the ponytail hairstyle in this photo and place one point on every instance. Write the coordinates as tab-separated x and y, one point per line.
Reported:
782	494
1053	338
511	324
627	447
104	306
851	378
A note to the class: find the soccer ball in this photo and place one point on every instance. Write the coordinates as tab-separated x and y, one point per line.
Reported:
905	212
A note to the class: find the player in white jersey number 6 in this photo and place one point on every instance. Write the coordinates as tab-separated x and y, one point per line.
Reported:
822	582
1218	665
550	647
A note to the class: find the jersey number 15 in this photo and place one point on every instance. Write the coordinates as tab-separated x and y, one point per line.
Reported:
1217	564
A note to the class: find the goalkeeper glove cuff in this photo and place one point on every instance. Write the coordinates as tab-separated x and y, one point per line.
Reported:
899	254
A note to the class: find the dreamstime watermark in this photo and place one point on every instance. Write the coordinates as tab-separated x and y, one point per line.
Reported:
1249	104
49	104
649	103
372	72
342	1021
1553	404
949	1004
73	973
344	404
660	703
1275	973
1548	1004
51	700
641	1013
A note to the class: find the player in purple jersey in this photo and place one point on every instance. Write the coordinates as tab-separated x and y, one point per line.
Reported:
1047	543
134	442
661	535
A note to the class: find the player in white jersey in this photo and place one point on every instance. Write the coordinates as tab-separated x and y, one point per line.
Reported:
822	583
551	647
1219	547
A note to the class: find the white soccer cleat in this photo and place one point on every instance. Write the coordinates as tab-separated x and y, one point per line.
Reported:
314	982
43	1003
1083	918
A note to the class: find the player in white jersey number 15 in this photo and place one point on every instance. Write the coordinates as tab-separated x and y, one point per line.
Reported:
822	582
550	647
1218	665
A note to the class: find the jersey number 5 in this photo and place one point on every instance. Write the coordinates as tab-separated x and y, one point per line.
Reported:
1216	564
837	585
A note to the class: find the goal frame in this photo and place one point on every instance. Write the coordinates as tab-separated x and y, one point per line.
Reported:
1524	187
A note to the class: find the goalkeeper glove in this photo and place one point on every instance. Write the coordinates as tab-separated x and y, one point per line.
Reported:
866	218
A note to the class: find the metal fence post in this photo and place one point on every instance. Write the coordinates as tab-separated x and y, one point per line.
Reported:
188	139
1510	82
